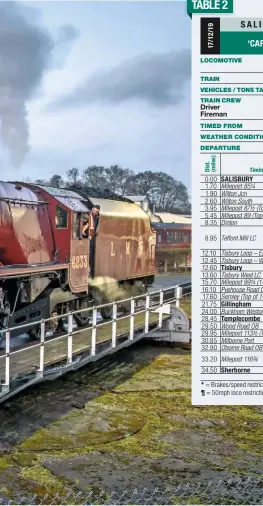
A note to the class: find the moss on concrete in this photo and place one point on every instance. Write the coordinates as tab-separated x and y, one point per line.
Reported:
43	439
163	413
150	416
96	423
6	461
5	491
24	459
40	481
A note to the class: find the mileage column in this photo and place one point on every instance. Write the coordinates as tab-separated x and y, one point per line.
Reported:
210	269
242	264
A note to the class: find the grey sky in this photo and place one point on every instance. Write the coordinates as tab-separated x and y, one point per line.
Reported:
157	79
95	83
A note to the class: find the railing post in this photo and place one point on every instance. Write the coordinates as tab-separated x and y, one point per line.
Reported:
161	310
93	332
179	292
114	325
40	371
6	385
70	329
147	313
131	336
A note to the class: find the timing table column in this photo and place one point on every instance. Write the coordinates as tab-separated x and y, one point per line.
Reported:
242	264
210	269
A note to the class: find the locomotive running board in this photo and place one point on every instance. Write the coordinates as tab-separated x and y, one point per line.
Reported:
16	271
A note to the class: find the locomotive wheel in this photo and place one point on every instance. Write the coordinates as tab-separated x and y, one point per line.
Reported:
141	287
126	305
53	325
34	333
106	312
82	319
98	299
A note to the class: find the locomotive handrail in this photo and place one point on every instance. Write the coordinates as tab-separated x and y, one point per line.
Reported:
21	266
11	272
28	202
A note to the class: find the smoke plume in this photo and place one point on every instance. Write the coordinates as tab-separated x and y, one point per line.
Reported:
25	54
105	289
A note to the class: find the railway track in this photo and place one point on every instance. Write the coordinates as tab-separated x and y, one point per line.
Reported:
24	365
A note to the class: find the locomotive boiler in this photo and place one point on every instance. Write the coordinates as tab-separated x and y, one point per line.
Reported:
44	257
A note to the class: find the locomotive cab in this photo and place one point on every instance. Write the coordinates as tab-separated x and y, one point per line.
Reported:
67	212
79	253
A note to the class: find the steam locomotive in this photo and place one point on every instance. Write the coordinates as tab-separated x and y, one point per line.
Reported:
44	258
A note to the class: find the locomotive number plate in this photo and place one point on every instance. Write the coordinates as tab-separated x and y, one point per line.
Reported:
79	262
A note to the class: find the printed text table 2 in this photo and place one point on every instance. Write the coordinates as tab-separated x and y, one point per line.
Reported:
227	176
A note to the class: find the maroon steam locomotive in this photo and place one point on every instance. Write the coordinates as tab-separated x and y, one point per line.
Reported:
44	258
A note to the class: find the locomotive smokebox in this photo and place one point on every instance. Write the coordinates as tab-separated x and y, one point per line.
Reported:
20	234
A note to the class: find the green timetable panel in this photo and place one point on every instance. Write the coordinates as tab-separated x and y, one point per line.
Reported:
231	36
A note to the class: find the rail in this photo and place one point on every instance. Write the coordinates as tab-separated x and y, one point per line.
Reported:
54	355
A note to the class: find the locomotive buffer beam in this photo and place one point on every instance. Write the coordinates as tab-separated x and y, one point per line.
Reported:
175	330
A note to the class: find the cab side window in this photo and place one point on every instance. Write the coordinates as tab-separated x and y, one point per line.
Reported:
61	218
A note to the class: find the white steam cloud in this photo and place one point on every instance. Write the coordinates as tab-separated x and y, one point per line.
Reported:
25	54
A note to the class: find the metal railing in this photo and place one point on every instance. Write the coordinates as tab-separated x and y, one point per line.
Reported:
28	364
